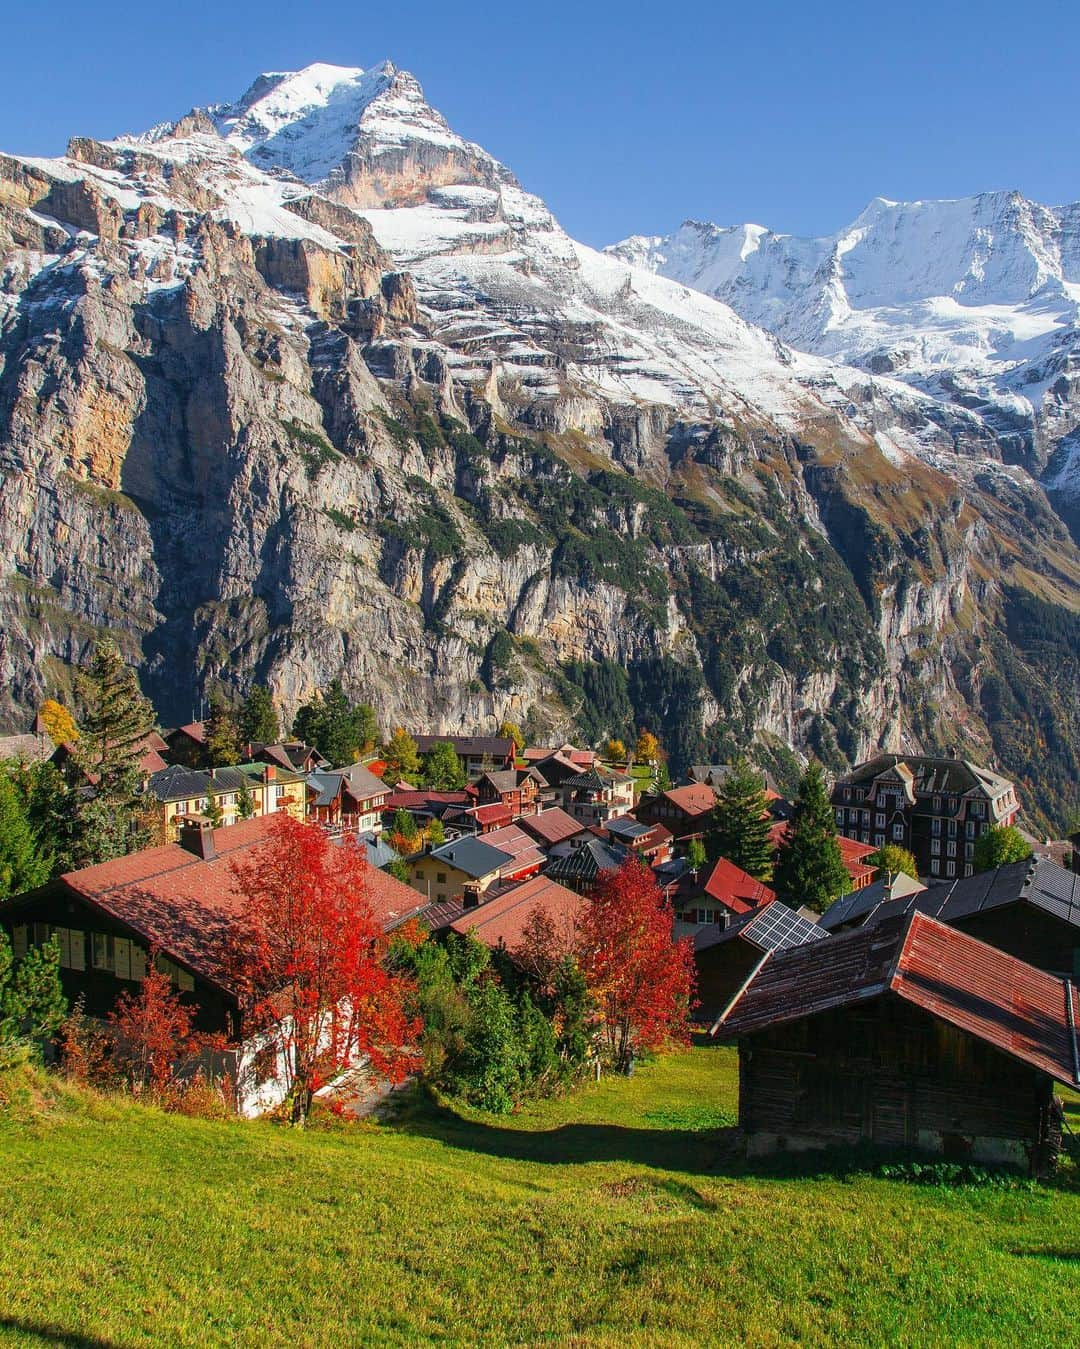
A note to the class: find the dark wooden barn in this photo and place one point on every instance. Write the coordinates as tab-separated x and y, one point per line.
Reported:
725	958
905	1033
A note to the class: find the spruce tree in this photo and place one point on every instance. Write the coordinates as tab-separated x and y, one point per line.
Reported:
740	822
32	1004
114	729
222	733
23	863
810	867
259	719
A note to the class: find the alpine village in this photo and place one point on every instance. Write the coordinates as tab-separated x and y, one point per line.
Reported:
487	856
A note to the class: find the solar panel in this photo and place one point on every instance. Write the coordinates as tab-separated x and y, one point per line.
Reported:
778	928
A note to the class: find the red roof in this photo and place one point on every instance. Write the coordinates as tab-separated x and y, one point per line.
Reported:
551	826
502	920
420	800
985	992
852	851
736	889
184	904
696	799
496	813
527	856
194	730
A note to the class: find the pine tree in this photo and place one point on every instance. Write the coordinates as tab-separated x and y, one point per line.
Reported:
259	719
338	729
32	1005
740	822
23	863
810	867
245	803
115	726
222	733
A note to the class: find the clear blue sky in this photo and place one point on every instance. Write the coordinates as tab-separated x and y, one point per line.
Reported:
626	118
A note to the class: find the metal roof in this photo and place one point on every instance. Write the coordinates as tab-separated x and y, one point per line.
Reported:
930	774
1022	1011
857	904
471	855
471	746
626	827
587	862
772	926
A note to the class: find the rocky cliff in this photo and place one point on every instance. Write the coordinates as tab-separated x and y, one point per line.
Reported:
306	386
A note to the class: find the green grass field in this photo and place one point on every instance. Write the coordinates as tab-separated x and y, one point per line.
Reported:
614	1215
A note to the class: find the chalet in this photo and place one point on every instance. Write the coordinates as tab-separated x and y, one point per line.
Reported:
905	1033
181	899
580	759
722	893
853	909
179	794
1031	909
502	921
351	799
936	808
684	810
425	805
651	842
597	795
519	789
292	755
726	957
478	819
526	857
477	754
186	745
582	866
33	747
462	869
551	827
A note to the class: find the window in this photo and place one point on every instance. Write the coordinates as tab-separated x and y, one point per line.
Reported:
839	817
879	820
935	867
951	849
968	869
937	804
935	828
898	831
969	850
951	867
935	846
952	828
704	916
969	828
440	878
977	809
866	817
847	793
879	840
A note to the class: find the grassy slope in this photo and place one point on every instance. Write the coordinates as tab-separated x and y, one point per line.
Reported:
604	1217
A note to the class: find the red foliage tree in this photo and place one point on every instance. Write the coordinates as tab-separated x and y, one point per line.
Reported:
153	1039
309	964
642	980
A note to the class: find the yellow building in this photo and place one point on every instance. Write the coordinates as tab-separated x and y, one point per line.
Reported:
238	792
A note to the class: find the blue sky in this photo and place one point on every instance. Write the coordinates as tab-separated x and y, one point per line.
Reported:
625	118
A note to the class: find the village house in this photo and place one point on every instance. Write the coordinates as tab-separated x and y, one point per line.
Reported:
721	893
597	795
502	922
526	858
462	869
1031	909
151	758
581	867
477	754
351	799
725	957
851	910
478	819
650	842
425	805
180	794
186	745
904	1033
935	807
292	755
181	899
518	789
686	811
33	747
551	827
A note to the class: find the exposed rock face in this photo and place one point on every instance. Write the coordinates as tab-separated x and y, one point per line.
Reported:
257	428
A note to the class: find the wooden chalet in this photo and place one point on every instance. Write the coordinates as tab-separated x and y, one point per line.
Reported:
596	795
905	1033
186	745
581	867
518	789
351	799
684	810
551	827
726	956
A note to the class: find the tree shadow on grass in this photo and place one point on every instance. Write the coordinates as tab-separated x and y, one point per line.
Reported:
40	1331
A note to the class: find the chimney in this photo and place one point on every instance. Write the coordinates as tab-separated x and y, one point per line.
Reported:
269	772
470	897
197	838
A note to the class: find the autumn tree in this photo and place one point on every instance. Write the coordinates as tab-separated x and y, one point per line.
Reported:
259	723
442	769
116	721
401	755
222	732
740	822
809	866
58	722
641	979
510	730
893	859
615	751
308	962
647	748
154	1041
1001	844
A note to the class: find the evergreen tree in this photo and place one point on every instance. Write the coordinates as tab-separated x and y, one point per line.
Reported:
695	854
32	1005
338	729
436	834
222	733
23	863
309	724
115	726
1001	844
51	808
810	867
245	802
259	719
442	769
740	822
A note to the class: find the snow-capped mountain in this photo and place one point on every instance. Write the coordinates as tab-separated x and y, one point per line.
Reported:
975	302
309	385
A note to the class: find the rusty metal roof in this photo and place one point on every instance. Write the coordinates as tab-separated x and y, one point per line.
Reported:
1022	1011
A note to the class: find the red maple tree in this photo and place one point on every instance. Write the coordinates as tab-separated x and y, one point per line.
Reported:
154	1043
308	963
641	979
